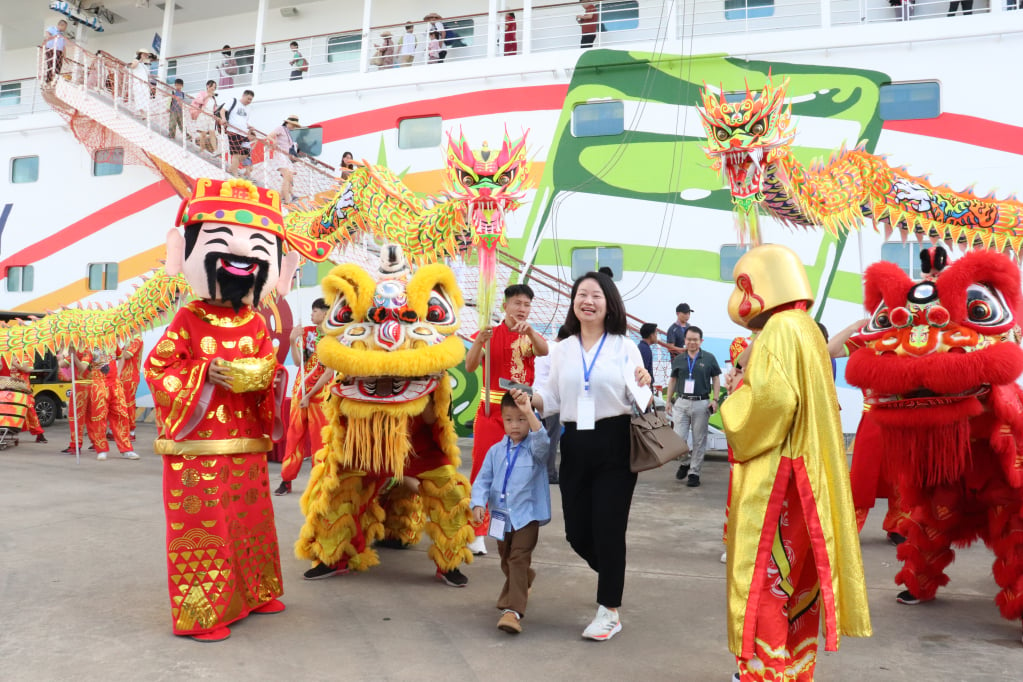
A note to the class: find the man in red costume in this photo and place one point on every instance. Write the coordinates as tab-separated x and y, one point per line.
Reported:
217	388
513	346
106	405
307	398
22	369
793	553
79	399
130	361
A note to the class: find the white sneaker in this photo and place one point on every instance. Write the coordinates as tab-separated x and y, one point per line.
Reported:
131	454
101	456
605	625
478	547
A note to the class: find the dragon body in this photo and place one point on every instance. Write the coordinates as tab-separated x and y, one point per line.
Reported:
482	184
750	142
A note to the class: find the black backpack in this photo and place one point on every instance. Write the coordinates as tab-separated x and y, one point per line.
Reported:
218	110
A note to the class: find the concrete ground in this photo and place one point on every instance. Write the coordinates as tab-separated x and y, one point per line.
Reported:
83	597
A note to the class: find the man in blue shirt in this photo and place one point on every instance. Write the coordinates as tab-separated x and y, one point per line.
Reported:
647	338
675	338
53	47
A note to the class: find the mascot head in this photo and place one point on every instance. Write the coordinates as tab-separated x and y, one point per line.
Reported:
933	349
767	277
232	250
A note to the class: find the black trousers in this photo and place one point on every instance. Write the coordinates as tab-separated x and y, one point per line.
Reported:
596	494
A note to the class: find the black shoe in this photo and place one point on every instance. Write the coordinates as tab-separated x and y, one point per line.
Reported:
553	479
454	578
906	597
683	471
284	488
41	439
321	571
896	539
390	543
693	482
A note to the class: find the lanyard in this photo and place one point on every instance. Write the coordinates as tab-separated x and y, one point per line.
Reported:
692	363
510	458
589	370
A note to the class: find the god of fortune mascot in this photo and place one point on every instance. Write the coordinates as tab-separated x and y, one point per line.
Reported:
217	389
793	552
938	365
389	467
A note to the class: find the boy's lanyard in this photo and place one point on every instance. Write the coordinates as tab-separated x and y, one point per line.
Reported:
510	458
589	370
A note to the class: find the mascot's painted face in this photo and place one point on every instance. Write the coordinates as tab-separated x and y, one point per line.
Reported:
744	136
938	345
231	263
391	338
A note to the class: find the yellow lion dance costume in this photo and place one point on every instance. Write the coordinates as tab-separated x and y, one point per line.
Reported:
389	466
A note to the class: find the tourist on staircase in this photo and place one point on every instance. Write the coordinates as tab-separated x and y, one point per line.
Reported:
53	50
282	152
203	107
140	92
235	113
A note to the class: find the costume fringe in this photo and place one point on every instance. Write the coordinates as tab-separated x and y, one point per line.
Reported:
404	517
446	502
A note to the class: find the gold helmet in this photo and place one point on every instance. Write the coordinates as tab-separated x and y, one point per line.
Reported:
766	277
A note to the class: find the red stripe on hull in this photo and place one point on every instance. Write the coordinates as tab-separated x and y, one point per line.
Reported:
979	132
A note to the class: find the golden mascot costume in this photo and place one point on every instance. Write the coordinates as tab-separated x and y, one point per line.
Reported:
793	550
389	466
938	365
217	388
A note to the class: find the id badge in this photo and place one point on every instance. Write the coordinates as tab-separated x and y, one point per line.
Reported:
499	521
586	413
689	387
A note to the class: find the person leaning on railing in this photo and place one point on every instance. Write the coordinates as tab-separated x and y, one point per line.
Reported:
53	50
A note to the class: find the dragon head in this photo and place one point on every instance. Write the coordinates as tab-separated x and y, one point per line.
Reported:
744	136
390	334
940	344
489	182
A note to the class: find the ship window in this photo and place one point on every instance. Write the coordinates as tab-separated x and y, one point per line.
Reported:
109	161
309	140
465	28
592	258
172	70
594	119
102	276
730	255
25	169
905	255
619	16
20	278
906	101
748	9
244	58
309	274
10	94
416	133
341	48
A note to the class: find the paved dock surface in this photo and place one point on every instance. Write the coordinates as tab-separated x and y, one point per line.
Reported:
83	597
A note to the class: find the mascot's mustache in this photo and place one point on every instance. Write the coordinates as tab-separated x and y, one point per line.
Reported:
236	276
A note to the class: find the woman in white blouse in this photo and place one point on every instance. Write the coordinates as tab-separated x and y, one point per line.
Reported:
588	386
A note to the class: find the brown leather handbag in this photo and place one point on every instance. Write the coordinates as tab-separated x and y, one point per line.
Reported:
654	442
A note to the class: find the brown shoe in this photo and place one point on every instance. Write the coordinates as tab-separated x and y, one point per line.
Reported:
509	622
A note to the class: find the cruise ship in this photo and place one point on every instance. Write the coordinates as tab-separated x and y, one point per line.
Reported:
609	105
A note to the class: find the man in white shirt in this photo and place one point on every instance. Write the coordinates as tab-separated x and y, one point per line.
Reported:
235	113
408	45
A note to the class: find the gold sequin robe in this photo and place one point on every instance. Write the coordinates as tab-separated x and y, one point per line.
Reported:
784	429
222	555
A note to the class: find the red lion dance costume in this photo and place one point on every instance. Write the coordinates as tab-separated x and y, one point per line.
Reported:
938	369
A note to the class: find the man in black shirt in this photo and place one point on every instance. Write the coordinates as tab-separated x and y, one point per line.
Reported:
675	338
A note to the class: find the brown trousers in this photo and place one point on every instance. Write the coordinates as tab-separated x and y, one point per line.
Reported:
516	552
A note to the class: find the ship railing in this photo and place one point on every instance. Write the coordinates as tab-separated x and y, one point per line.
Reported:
148	102
20	96
845	12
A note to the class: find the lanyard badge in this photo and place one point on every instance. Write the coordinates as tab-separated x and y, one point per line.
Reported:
689	387
500	518
586	409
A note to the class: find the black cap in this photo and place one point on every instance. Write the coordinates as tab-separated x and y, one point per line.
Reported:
683	308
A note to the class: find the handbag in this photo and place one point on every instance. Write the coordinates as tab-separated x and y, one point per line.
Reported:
654	442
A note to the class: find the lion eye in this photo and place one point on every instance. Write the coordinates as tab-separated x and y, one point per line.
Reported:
340	313
985	307
439	310
880	321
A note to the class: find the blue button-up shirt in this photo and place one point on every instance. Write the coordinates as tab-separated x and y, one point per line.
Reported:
528	494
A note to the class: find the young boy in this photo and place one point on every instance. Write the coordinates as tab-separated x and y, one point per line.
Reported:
177	107
513	480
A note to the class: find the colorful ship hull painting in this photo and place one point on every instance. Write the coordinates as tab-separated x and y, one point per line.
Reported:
648	189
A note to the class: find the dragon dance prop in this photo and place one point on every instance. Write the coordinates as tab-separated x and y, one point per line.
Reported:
482	185
938	362
750	142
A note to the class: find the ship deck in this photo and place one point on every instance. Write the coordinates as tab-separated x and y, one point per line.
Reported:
83	589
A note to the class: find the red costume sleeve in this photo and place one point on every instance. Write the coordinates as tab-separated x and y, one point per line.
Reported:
180	376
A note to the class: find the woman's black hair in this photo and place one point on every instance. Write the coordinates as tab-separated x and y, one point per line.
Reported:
614	319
